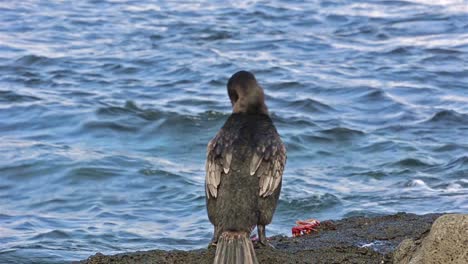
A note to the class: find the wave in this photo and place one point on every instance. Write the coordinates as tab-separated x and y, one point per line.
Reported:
451	147
443	51
300	143
309	105
292	121
29	60
342	133
377	101
362	213
54	234
376	174
130	109
310	204
92	173
286	85
120	68
458	163
213	35
375	94
110	125
446	188
35	166
418	183
10	97
314	139
400	51
411	163
195	102
379	146
448	117
336	18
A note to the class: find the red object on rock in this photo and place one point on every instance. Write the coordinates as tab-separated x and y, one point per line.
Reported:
305	227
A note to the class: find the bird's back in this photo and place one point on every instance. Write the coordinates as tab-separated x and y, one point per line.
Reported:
238	203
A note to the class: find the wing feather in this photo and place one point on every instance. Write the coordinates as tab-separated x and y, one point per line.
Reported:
268	163
218	161
255	162
227	162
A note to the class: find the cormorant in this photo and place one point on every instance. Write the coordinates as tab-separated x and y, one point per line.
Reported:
244	168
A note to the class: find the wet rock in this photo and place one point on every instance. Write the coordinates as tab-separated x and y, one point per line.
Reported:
350	240
447	242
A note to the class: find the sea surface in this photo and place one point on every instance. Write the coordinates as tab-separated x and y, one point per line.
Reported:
106	108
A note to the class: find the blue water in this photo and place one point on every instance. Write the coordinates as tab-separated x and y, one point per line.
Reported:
106	108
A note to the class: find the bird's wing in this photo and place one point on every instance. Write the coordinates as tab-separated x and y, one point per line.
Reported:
268	163
218	161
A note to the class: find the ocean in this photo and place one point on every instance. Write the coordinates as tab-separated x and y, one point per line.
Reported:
106	108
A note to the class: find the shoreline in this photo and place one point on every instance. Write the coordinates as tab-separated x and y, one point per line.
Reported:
349	240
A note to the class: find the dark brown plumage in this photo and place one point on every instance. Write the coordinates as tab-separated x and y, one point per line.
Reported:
244	168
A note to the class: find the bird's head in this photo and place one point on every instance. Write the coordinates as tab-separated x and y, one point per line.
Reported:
245	94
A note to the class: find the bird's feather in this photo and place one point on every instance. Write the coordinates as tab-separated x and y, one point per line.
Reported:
268	163
218	161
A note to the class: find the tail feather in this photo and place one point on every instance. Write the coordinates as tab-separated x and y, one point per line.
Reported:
235	248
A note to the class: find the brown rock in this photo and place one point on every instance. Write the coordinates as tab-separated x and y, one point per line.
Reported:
447	242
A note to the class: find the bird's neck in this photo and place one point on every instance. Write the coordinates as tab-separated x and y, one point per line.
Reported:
246	107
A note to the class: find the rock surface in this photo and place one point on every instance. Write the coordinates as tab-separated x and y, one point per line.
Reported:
350	240
447	242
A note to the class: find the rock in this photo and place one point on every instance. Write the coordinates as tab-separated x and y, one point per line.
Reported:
404	251
447	242
369	240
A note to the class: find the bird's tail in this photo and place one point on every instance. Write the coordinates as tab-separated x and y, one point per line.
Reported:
235	248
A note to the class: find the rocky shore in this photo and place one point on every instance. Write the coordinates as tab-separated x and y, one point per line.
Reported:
350	240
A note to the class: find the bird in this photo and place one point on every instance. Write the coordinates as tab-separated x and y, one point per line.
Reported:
244	172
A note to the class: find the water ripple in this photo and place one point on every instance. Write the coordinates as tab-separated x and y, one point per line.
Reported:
106	108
